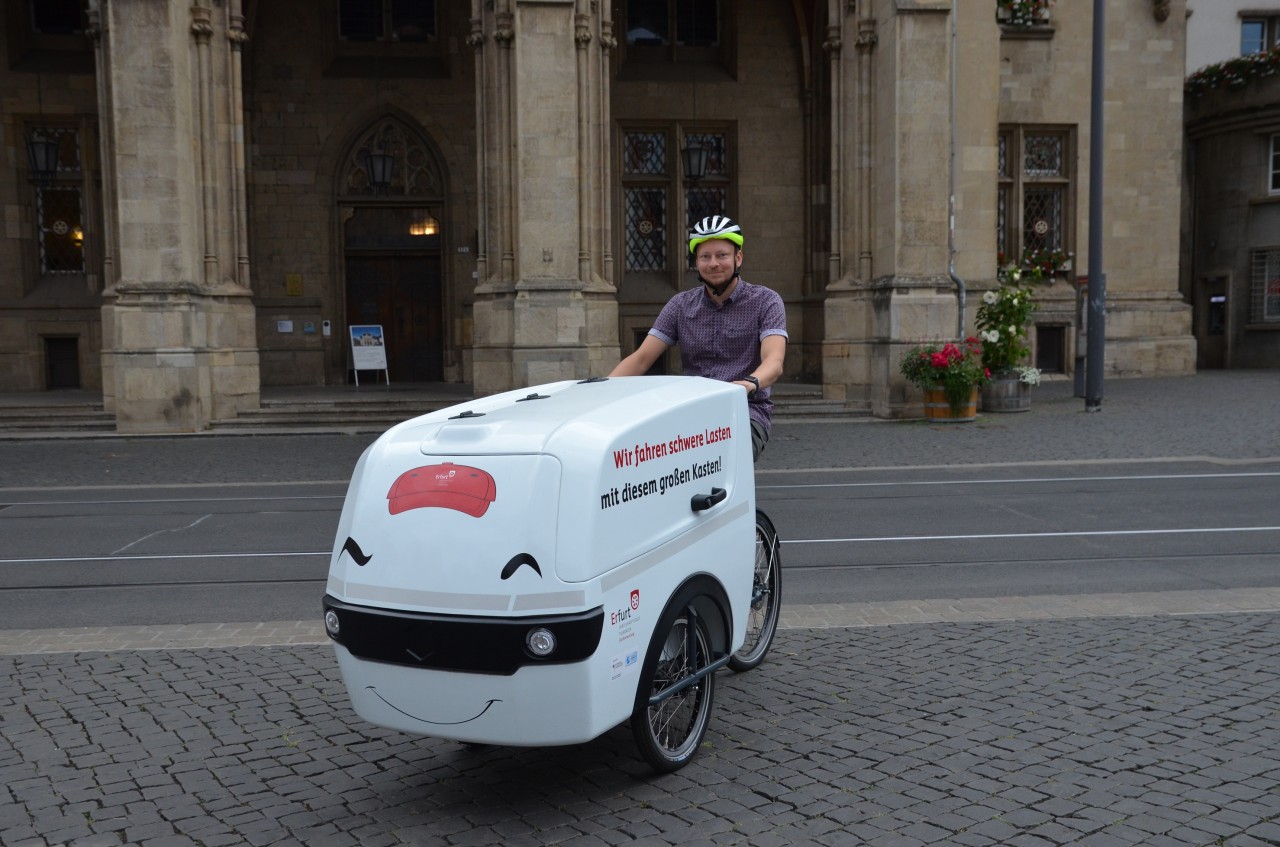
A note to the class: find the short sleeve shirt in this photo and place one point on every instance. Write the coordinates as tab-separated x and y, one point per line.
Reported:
723	342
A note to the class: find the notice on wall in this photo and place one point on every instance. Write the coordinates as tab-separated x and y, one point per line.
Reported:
368	351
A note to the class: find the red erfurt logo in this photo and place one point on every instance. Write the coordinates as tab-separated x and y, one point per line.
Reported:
444	486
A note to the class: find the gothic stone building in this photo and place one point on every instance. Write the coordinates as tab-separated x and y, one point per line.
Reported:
200	198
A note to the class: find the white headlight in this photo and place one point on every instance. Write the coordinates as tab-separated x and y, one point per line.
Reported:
331	623
541	642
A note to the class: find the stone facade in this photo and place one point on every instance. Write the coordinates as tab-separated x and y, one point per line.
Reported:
233	229
1232	138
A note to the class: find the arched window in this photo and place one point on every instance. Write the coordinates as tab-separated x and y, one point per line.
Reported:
414	169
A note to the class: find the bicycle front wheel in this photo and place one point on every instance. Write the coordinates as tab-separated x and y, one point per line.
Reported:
670	732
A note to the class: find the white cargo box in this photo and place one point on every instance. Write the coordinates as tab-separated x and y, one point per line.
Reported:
581	509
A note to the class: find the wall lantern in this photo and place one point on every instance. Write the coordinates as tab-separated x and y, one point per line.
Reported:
694	157
42	156
380	167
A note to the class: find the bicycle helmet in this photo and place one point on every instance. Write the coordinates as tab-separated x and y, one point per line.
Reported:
712	227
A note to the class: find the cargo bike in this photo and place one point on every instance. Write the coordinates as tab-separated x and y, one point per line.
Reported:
537	567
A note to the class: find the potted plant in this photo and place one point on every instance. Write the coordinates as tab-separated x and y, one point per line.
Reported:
1023	12
949	375
1002	322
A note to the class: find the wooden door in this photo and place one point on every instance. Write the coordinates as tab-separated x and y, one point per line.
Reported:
403	294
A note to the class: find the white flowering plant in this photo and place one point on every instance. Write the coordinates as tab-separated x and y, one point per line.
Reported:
1002	321
1028	374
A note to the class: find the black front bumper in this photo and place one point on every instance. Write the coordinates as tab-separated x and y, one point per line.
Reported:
467	643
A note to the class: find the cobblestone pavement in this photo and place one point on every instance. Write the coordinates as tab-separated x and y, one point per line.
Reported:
1153	731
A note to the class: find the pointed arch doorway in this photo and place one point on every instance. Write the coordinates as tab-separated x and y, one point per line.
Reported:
391	236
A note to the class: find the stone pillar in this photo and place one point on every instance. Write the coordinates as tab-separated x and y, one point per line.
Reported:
545	309
889	285
179	340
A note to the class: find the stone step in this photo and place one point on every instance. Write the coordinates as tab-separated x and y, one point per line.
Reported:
322	410
789	408
34	417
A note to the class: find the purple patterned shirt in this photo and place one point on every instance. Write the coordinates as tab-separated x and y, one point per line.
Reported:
724	342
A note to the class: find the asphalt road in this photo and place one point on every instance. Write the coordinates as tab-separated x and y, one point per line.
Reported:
145	554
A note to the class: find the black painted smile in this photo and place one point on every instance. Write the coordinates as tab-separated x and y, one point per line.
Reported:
486	708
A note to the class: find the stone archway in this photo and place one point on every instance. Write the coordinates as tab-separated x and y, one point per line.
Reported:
391	240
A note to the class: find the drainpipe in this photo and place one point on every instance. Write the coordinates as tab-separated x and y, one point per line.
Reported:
951	217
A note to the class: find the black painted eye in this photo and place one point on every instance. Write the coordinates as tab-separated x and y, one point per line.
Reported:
352	549
518	560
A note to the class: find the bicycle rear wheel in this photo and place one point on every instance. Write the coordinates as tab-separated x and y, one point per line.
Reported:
766	598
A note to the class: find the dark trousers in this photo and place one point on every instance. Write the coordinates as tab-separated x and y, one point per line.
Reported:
759	438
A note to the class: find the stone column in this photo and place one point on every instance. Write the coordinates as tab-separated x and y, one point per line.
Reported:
545	309
180	346
889	286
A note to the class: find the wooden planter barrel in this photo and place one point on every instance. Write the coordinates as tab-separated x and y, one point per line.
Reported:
1006	393
936	407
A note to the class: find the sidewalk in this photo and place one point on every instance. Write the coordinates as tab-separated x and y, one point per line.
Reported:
1220	416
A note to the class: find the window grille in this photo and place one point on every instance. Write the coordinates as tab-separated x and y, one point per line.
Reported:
658	199
60	208
1043	155
646	229
644	153
1265	286
1035	187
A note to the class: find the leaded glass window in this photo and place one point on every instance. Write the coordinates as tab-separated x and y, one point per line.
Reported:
645	226
644	153
660	202
60	208
713	143
1035	186
1042	218
1042	155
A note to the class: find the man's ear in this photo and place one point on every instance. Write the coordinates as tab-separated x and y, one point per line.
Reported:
738	259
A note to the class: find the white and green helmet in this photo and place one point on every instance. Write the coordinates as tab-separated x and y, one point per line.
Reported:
713	227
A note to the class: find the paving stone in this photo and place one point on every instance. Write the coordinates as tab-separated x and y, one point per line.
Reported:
925	734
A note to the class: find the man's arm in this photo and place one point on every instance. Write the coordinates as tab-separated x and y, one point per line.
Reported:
639	362
773	354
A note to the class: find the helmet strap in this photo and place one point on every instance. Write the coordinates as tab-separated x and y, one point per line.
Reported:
719	290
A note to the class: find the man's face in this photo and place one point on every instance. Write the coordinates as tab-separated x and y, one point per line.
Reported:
717	260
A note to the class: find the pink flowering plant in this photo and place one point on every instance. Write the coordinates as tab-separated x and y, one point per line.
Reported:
1023	12
955	368
1234	73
